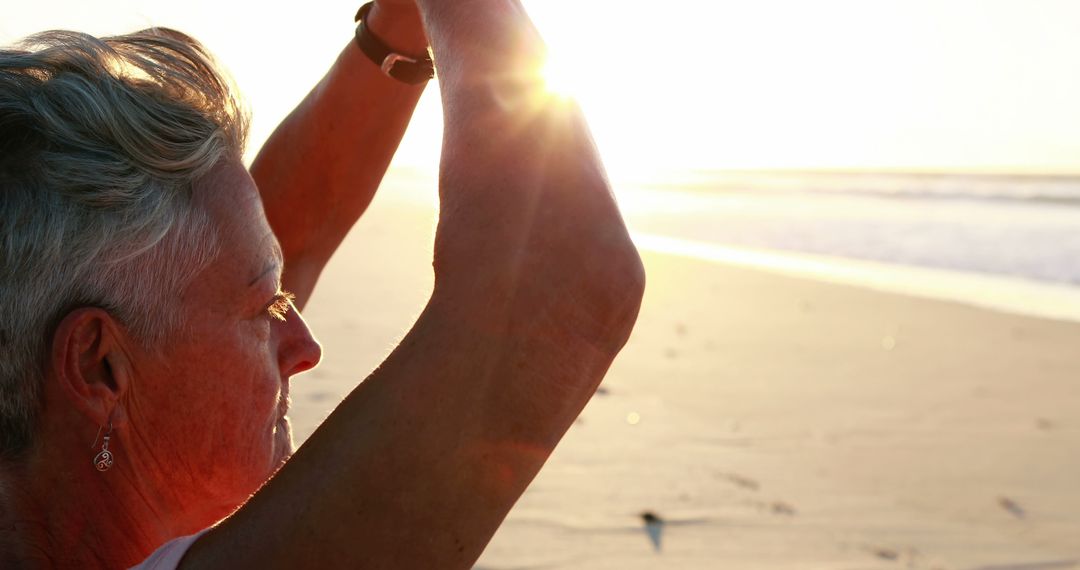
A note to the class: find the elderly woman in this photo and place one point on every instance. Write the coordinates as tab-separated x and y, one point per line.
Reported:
151	288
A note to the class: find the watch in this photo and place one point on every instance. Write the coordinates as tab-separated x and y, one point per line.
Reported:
404	68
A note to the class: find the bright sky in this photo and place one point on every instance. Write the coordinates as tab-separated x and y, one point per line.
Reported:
703	84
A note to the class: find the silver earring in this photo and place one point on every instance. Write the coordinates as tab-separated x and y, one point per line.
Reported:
104	459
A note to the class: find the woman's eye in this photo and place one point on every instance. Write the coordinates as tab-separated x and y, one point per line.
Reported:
279	307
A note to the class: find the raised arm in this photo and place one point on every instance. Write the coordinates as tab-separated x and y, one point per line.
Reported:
537	286
319	170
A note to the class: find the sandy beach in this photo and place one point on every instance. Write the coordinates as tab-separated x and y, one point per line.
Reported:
764	421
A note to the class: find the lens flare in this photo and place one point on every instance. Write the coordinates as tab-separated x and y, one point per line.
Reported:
558	78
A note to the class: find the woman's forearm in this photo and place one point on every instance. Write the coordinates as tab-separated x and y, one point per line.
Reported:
528	223
319	170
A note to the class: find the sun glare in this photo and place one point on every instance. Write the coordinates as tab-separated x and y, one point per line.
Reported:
724	84
558	78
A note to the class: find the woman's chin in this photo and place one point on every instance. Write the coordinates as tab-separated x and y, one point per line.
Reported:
283	443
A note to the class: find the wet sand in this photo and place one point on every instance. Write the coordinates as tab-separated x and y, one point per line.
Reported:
759	421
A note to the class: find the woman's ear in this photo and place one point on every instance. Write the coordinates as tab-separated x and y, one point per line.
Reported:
89	361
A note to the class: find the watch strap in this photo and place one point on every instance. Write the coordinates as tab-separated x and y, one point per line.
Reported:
405	68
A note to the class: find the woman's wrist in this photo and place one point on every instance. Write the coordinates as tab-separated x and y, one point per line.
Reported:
399	27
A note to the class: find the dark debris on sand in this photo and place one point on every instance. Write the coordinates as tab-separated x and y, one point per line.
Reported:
1012	506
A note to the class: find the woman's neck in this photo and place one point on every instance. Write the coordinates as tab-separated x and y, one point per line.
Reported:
73	516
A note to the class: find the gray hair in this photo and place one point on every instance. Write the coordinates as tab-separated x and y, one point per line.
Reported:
101	144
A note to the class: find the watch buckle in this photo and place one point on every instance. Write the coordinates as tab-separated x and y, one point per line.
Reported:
392	60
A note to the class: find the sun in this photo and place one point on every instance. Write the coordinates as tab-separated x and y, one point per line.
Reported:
559	78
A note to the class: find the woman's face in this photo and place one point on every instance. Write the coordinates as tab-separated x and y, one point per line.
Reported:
206	412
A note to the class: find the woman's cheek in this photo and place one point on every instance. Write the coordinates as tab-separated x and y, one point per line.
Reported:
260	328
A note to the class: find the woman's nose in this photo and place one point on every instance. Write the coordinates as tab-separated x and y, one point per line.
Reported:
298	351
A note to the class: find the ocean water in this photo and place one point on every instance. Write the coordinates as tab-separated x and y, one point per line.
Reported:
973	238
1009	243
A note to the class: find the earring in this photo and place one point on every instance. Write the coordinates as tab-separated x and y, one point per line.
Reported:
104	459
